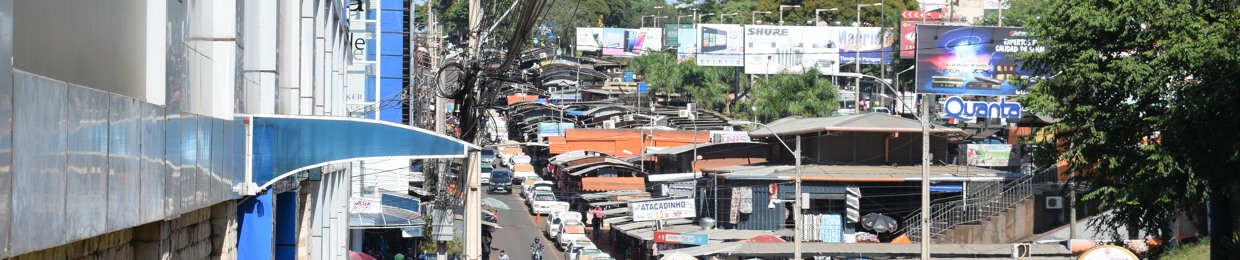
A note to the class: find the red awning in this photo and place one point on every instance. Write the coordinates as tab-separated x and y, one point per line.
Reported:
613	183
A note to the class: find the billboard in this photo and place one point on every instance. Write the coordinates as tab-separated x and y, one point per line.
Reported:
688	48
874	45
671	33
631	42
662	209
992	155
720	45
966	60
908	37
792	49
589	39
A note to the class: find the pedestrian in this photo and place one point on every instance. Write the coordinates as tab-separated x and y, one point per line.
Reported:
598	221
503	255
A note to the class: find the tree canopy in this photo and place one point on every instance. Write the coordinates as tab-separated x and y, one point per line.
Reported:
1145	90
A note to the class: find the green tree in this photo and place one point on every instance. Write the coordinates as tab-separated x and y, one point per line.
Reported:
806	94
1019	13
1143	89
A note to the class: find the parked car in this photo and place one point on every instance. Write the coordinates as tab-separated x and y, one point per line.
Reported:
569	232
581	244
523	170
556	218
527	189
544	202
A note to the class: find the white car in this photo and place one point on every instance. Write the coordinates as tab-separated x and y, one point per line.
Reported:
582	244
528	189
521	171
543	202
519	159
554	220
570	231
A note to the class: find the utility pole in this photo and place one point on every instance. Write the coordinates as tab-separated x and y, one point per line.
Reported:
473	200
925	176
796	238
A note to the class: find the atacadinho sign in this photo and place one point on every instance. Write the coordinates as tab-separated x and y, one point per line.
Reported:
662	209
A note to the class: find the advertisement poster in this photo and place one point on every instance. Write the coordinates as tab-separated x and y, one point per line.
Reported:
630	42
589	39
791	49
874	46
966	60
671	33
908	37
721	45
991	155
688	48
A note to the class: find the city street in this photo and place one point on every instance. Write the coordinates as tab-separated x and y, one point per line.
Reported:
519	230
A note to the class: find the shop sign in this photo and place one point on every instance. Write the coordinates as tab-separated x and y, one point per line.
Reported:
957	108
662	209
679	238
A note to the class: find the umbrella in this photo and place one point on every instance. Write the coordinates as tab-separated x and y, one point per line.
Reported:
355	255
677	256
878	222
494	203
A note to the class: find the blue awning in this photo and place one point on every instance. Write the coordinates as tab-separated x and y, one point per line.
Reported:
575	112
284	145
947	187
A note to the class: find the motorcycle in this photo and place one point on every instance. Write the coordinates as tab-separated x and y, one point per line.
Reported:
536	253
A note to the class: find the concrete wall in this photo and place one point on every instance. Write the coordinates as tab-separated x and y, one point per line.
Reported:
207	233
1012	225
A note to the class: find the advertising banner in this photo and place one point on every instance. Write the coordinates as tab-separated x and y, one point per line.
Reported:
671	33
688	48
908	37
992	155
662	209
966	60
721	45
791	49
589	38
630	42
874	46
665	237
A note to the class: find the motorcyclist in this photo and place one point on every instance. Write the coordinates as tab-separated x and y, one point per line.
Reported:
536	249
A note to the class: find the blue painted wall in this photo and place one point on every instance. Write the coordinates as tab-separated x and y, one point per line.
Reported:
391	50
286	225
254	226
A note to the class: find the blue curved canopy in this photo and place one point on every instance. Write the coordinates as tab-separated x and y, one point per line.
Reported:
283	145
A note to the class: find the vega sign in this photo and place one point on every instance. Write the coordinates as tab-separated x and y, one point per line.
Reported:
956	107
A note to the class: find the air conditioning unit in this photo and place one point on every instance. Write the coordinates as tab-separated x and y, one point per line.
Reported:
683	113
628	117
689	106
1054	202
609	124
1020	250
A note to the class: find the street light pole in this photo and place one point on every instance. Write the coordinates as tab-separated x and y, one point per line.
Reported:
753	17
781	12
722	16
896	92
796	239
817	11
699	18
857	58
657	14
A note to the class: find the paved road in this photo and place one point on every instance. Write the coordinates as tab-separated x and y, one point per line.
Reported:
518	230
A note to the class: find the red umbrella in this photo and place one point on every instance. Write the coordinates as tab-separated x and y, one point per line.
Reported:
766	238
355	255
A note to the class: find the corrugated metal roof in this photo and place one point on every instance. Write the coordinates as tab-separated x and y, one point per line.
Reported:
648	224
867	249
868	122
689	147
732	234
860	173
605	195
612	183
